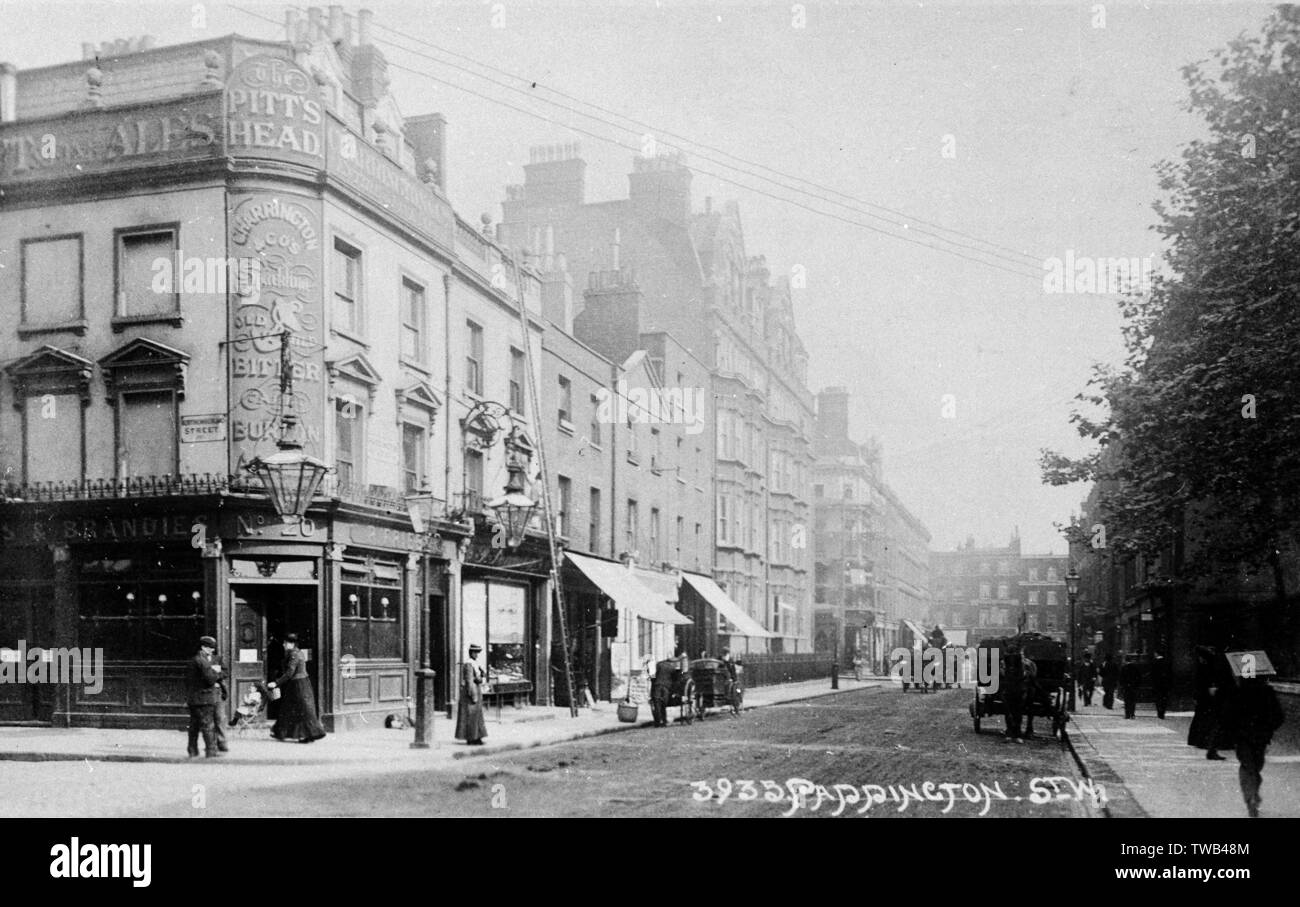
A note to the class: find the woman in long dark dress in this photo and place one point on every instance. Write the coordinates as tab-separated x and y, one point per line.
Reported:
298	720
470	725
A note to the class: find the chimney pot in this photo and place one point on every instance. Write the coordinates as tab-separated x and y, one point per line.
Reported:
291	26
314	28
336	23
363	27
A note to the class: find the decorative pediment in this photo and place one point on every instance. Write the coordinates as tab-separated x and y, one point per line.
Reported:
143	364
50	370
358	369
420	396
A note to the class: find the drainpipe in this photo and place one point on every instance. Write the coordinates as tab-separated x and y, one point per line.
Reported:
446	471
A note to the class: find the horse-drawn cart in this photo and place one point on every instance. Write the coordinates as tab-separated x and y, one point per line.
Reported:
706	684
1046	695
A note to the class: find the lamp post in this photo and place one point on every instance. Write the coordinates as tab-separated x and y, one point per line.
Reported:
289	476
1072	593
422	507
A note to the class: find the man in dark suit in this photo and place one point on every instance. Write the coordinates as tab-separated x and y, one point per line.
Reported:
1130	676
203	696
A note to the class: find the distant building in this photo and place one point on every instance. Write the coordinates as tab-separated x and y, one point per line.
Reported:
999	591
694	282
872	554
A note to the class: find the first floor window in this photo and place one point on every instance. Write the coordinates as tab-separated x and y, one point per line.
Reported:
413	457
566	506
473	479
593	522
53	442
147	434
347	440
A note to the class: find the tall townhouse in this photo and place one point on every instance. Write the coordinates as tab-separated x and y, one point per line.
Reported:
698	286
195	242
872	554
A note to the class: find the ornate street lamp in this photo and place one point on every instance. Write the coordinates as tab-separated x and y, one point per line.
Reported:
289	476
1072	593
424	508
515	508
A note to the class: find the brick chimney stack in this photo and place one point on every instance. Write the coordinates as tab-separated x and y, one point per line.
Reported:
555	175
833	414
660	186
610	320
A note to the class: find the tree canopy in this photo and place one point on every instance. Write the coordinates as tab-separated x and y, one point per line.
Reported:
1200	432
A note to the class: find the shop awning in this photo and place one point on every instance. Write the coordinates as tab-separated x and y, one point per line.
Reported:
735	615
663	585
620	584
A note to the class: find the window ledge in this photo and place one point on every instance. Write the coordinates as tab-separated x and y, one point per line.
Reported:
566	426
633	459
426	370
348	335
78	327
122	322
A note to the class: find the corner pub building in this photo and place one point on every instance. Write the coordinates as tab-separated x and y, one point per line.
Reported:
170	218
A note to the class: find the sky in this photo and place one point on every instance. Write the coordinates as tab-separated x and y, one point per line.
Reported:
1008	133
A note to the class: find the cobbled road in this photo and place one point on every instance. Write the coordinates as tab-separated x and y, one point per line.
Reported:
868	752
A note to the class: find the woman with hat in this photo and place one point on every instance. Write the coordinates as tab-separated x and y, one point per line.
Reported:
297	719
469	714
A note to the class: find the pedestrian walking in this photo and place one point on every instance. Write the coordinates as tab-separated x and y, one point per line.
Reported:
1109	680
470	725
1130	677
1204	731
1161	681
202	694
1251	716
297	717
1088	678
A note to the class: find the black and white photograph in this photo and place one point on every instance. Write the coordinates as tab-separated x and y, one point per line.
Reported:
651	409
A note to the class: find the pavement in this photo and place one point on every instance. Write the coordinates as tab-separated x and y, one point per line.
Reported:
372	747
1148	769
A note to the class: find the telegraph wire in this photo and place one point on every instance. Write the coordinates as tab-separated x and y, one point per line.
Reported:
601	138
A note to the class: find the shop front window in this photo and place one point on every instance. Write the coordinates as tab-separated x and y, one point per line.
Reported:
141	609
494	617
371	609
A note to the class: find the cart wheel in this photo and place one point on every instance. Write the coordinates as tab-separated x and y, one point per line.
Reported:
688	702
737	700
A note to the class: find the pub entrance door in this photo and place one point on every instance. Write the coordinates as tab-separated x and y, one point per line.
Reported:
26	618
263	615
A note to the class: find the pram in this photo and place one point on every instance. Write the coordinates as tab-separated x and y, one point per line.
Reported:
250	715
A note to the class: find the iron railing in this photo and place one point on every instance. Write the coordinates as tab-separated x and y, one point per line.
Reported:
131	487
765	670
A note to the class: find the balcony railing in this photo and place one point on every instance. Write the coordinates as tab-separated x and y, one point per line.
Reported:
132	487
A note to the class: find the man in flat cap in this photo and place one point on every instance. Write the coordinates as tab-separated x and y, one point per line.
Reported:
203	685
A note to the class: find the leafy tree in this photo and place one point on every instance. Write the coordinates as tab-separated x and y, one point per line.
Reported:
1200	432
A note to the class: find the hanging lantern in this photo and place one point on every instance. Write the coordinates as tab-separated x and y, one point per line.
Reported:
515	508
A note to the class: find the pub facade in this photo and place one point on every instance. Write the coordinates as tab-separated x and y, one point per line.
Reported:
197	240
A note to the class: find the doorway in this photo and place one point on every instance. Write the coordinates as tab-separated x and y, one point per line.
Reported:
263	616
26	618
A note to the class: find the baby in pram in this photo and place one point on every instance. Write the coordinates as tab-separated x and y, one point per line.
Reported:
251	711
